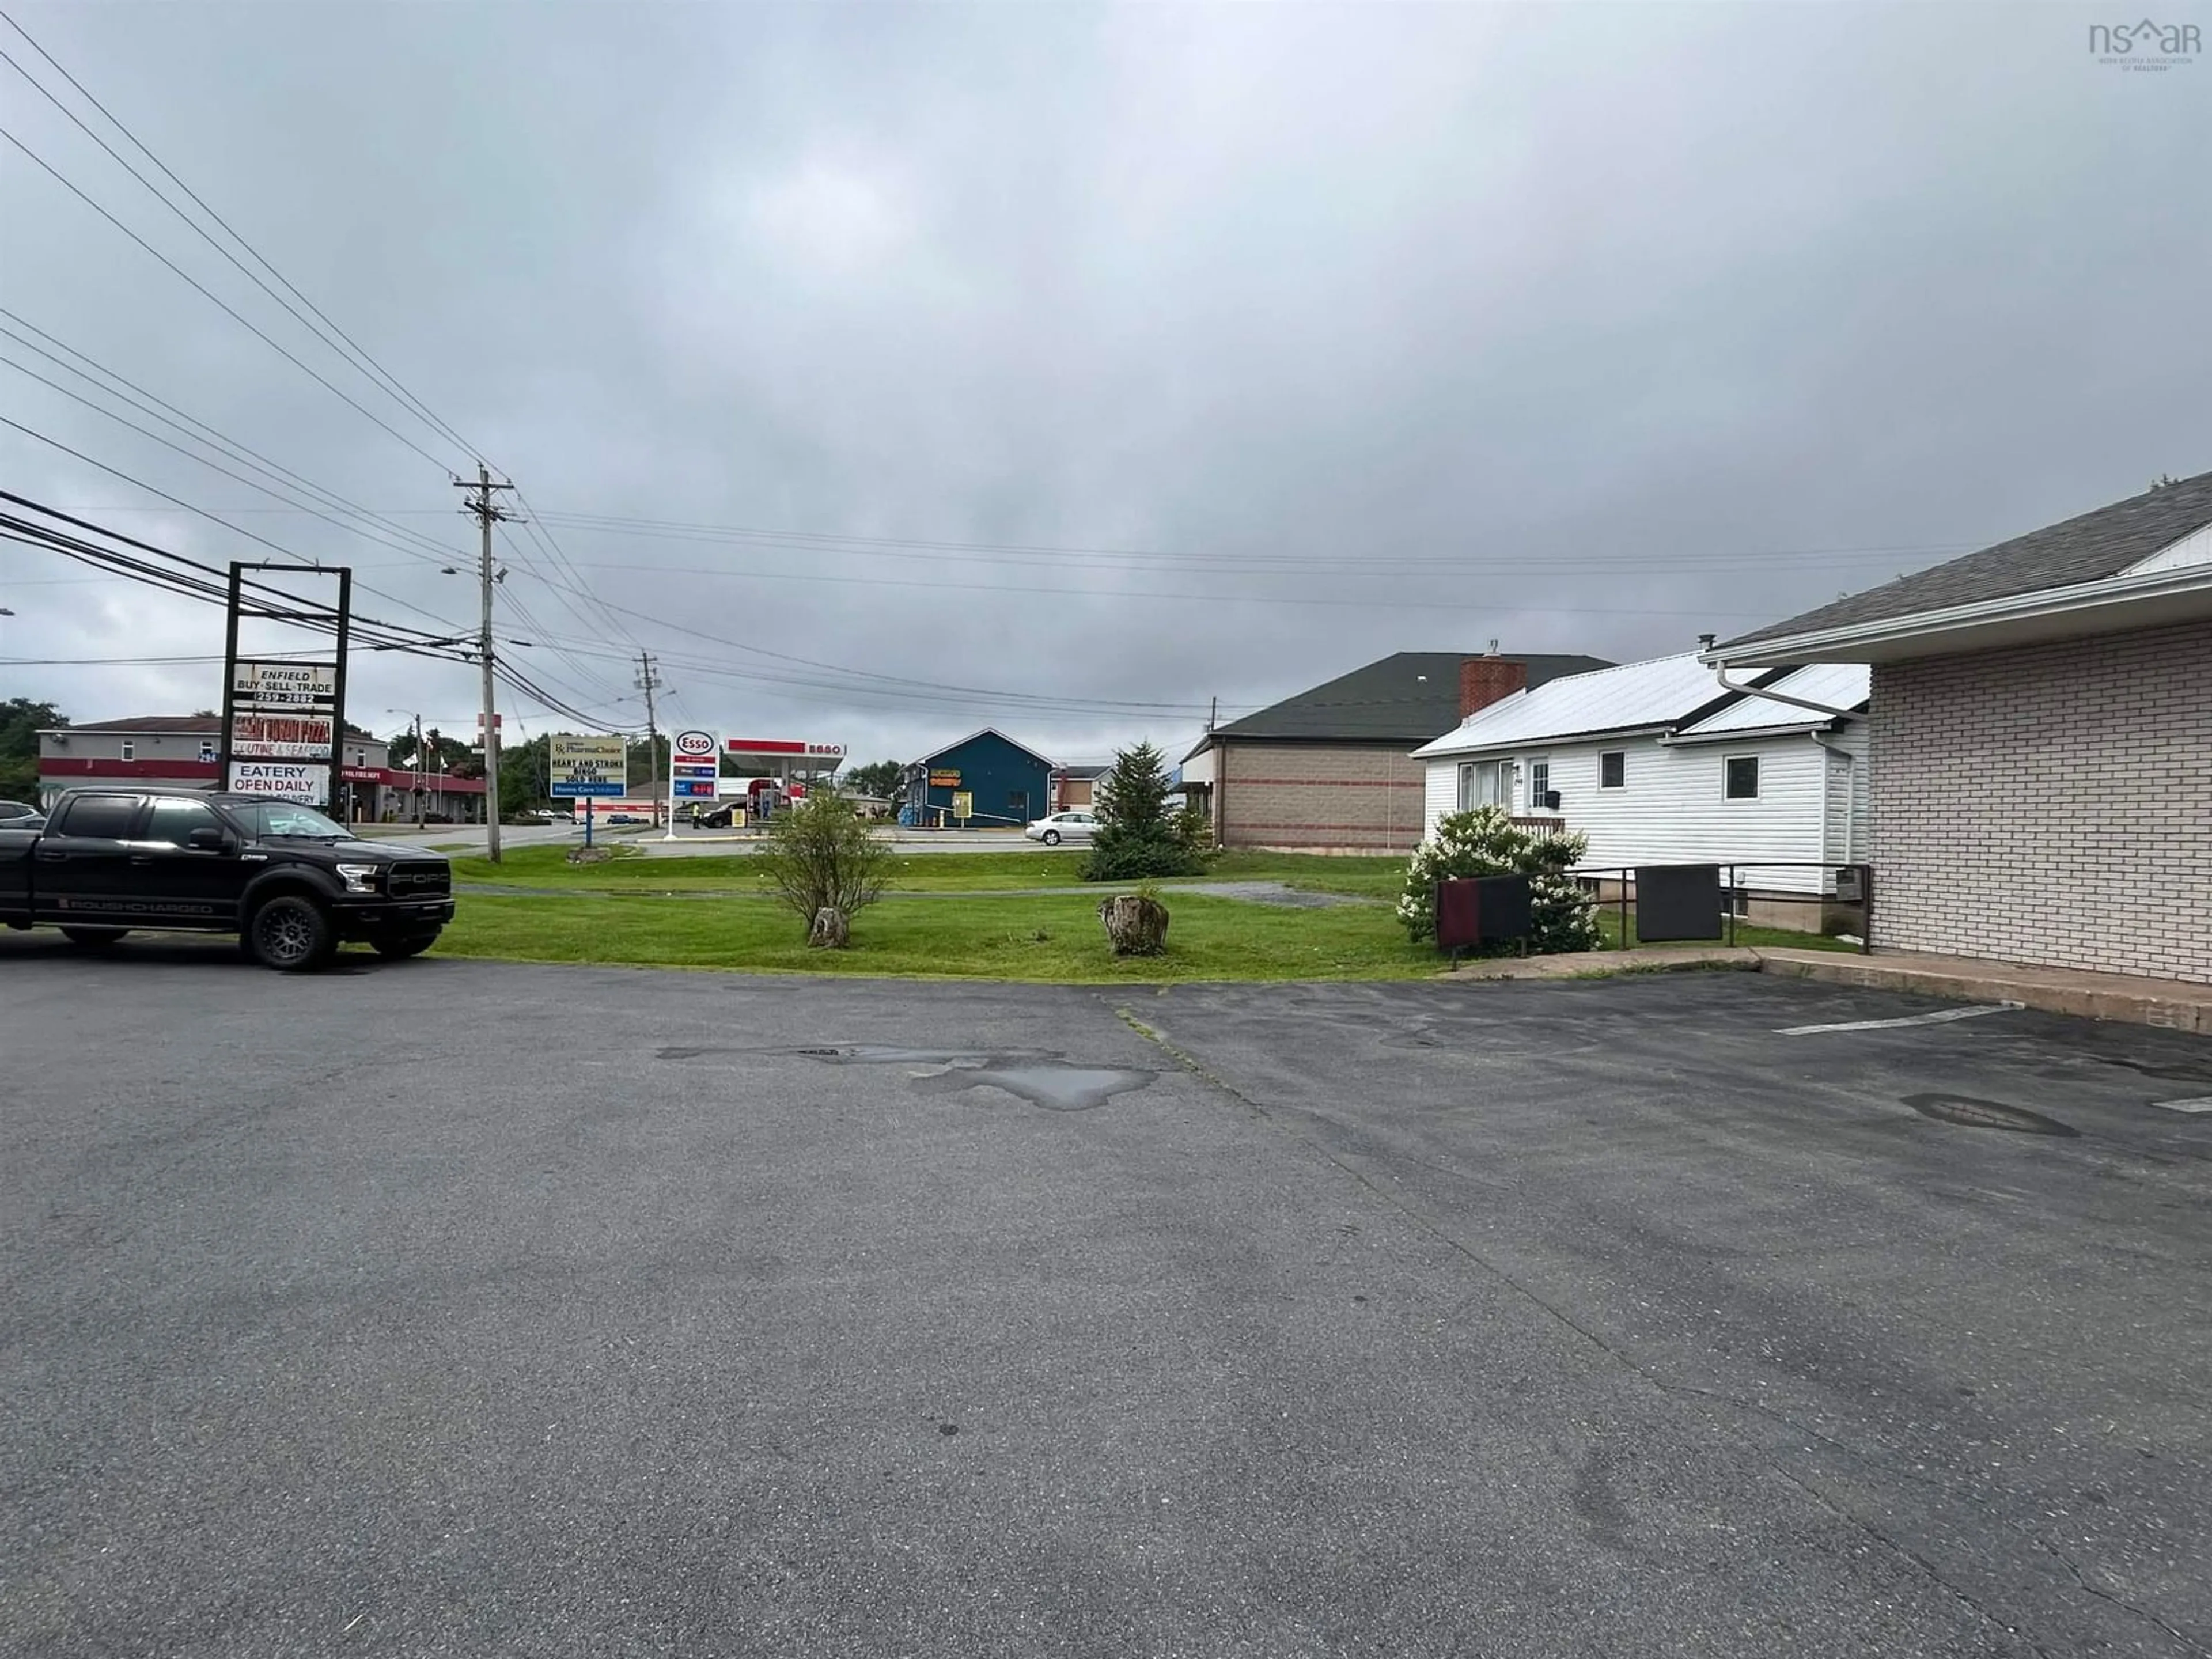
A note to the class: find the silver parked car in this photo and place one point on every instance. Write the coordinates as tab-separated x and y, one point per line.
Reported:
21	815
1076	825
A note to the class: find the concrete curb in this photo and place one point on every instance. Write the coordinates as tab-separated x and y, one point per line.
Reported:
1604	964
2089	996
2170	1007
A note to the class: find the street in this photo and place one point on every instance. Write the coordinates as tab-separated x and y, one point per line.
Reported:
694	843
461	1308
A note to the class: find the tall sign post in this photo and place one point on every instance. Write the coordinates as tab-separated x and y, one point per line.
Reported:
283	721
586	769
694	771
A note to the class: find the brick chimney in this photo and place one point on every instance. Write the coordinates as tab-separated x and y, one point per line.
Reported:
1483	680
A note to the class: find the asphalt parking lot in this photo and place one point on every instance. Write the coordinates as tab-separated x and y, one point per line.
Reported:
455	1307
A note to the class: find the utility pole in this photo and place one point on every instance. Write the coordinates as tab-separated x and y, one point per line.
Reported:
487	514
648	682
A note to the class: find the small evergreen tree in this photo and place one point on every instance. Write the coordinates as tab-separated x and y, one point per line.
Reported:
1138	837
1563	916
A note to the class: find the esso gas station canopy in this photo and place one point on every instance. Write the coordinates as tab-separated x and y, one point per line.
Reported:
784	757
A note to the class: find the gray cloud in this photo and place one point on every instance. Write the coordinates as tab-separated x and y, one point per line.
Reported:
1581	327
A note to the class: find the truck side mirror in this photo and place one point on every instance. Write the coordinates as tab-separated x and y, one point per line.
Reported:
208	840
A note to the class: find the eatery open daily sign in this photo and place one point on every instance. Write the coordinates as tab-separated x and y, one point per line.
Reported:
297	781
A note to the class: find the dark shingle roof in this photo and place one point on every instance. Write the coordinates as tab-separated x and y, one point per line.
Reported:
1408	698
149	723
2085	548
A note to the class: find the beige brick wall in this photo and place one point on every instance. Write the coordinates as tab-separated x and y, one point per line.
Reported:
1317	797
2052	803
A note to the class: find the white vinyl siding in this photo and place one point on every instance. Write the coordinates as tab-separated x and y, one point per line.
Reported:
1440	795
1852	740
1674	811
1836	817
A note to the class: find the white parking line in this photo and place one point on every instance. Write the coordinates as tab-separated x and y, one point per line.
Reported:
2201	1103
1942	1016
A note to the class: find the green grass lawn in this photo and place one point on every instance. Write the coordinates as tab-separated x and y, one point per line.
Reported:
1055	939
631	871
1051	938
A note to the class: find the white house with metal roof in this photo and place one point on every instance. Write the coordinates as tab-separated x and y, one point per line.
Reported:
1658	763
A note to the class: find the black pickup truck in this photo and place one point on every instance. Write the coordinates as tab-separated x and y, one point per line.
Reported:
290	882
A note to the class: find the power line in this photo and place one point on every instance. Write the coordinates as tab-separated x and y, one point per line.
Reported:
1491	606
239	450
367	364
211	583
188	507
936	549
220	302
382	541
1031	705
890	684
560	559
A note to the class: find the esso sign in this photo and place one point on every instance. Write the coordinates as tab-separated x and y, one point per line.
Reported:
696	745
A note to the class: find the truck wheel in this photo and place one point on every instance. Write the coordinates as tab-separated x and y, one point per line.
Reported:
291	934
398	950
92	938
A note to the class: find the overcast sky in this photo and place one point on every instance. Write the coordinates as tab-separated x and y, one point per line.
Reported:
1231	347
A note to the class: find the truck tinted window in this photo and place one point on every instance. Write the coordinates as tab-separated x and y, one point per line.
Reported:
106	816
174	820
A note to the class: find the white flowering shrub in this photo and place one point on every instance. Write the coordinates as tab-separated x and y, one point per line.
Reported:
1486	843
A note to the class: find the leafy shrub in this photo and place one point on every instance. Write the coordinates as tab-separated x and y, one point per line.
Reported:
1486	843
819	855
1138	837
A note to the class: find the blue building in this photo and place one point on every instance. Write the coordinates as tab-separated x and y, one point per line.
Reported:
1005	785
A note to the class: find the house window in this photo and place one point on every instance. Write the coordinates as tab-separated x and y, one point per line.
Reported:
1612	769
129	750
1485	783
1742	777
1540	785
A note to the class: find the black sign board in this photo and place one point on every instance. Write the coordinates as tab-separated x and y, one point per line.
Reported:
1481	910
1678	901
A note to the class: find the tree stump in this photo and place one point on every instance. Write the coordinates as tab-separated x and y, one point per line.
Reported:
830	932
1135	924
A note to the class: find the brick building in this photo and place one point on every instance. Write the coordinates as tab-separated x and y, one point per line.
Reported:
1332	769
1075	785
2041	740
181	752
